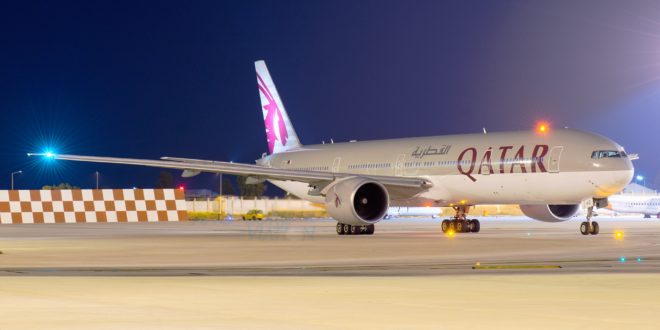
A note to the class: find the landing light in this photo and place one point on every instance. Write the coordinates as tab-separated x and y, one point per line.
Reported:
451	233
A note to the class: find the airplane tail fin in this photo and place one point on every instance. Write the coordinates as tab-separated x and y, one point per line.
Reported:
279	131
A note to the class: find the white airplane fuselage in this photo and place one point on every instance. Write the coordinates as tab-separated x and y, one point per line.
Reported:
504	168
646	204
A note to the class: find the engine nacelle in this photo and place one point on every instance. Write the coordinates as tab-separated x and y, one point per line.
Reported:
357	201
550	213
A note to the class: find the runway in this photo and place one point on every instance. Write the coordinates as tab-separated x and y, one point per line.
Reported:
298	247
299	274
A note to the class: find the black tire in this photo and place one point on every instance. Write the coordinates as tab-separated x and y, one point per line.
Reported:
355	230
371	229
595	228
584	228
452	225
468	224
445	225
476	226
347	229
340	229
461	226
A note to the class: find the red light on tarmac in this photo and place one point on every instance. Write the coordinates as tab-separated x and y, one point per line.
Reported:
181	188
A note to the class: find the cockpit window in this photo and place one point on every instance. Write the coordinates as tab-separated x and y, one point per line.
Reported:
608	154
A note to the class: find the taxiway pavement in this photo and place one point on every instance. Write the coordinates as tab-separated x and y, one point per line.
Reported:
298	274
311	247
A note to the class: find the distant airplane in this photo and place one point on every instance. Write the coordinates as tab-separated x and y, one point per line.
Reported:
646	204
549	173
405	211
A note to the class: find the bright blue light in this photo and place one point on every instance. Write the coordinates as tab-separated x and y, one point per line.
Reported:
639	178
622	259
49	154
639	259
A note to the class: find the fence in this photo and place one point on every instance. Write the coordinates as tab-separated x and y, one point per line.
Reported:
106	205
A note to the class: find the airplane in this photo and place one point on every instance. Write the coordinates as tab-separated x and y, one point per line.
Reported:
645	204
548	172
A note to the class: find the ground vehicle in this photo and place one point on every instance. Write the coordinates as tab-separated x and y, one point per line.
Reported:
254	215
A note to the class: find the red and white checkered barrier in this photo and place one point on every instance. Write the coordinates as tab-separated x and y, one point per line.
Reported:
87	205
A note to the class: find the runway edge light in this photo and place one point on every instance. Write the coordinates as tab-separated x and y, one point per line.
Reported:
618	234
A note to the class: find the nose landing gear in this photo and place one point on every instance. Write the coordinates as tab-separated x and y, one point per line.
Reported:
589	227
459	223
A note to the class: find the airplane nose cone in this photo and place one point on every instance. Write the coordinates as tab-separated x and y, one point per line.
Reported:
619	179
623	178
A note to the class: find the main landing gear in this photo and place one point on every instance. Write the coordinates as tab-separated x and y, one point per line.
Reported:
589	227
344	229
460	223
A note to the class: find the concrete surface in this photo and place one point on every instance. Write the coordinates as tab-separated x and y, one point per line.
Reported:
311	247
299	274
599	301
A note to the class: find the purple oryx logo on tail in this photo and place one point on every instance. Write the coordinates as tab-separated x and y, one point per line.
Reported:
272	110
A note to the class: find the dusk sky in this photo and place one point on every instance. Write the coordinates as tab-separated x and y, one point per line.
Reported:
176	78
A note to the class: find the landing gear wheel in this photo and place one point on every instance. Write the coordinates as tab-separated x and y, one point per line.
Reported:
476	226
445	225
370	229
340	229
347	229
461	226
594	228
355	230
468	224
452	225
584	228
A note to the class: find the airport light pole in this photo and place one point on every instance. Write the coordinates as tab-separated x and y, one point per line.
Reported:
220	190
12	178
219	194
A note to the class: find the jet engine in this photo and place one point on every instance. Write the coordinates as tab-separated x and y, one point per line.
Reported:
357	201
550	213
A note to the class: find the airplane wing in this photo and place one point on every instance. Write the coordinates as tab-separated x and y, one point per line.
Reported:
399	187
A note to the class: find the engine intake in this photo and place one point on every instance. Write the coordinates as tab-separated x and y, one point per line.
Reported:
550	213
357	201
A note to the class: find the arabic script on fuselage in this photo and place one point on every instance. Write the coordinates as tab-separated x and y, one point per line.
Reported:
422	152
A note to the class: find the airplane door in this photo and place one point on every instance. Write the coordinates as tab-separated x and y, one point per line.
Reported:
553	161
398	166
335	165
